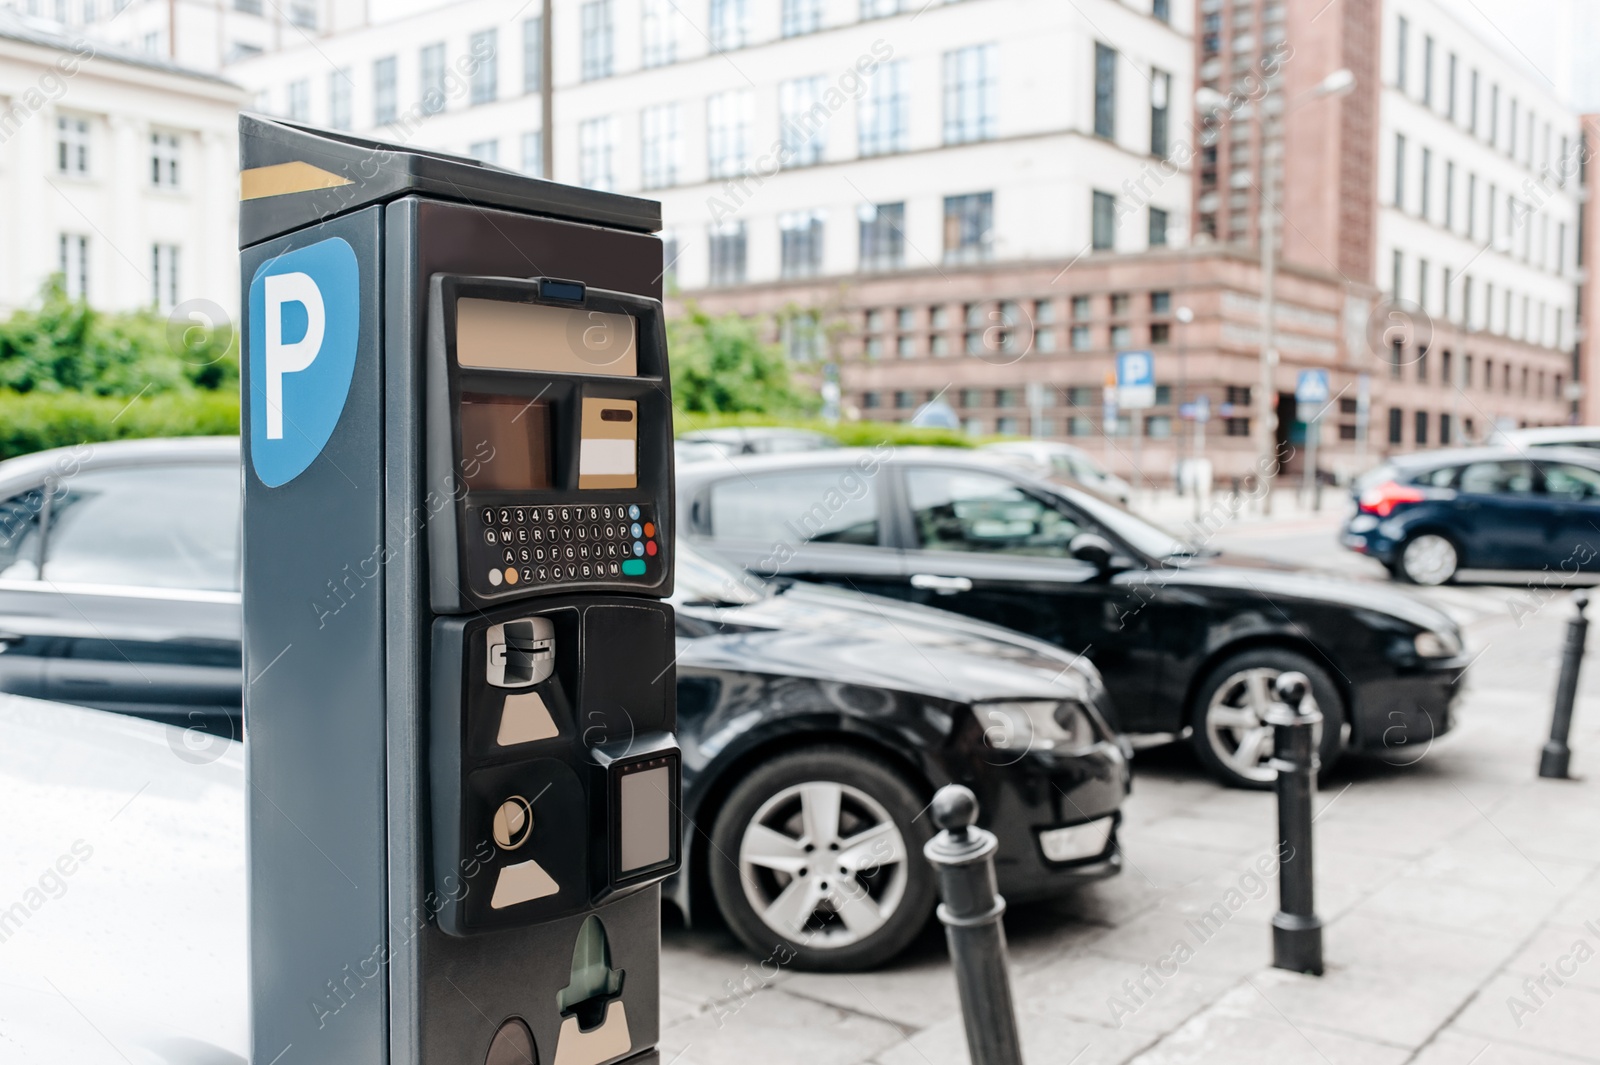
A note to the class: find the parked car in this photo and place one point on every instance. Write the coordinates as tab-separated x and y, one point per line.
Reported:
1585	436
759	439
1186	639
1066	462
124	927
794	702
119	577
812	717
1429	516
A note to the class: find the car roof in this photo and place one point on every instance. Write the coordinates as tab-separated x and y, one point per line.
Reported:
741	433
1551	433
850	456
1460	455
65	460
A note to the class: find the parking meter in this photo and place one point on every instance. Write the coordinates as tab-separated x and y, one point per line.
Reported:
459	686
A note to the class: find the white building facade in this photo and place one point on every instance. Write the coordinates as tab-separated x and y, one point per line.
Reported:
118	172
1479	188
802	138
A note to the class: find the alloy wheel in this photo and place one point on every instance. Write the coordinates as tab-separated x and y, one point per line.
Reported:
1236	726
823	863
1429	559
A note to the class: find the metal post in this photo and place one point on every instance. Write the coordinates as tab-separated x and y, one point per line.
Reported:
1554	759
963	858
1296	928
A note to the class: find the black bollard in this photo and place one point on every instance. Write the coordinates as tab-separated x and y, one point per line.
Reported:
1296	928
963	858
1554	759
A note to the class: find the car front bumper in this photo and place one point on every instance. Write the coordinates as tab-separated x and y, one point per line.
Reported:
1400	715
1055	816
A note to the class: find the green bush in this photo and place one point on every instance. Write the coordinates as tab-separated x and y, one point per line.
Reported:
723	365
850	434
36	421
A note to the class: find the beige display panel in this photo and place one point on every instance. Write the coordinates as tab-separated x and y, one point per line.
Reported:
608	453
502	335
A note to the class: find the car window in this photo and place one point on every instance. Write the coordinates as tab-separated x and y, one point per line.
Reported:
961	510
151	527
1570	482
1443	477
1497	478
827	506
19	536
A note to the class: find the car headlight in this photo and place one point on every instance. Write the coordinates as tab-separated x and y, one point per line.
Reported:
1036	724
1431	644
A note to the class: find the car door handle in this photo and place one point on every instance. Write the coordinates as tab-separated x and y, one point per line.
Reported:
942	585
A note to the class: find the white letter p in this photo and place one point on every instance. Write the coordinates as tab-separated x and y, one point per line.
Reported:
289	358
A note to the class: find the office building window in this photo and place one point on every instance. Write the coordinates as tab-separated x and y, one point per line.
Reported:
801	16
596	53
1421	436
658	30
730	25
430	78
1103	224
1396	425
533	54
300	100
1449	195
1396	271
533	153
484	46
1472	103
1427	180
1162	9
303	15
1400	170
1494	114
1105	91
164	276
1450	88
1402	44
164	156
661	145
880	8
969	227
669	259
970	94
884	113
594	154
487	151
1160	104
1427	71
1422	283
1158	227
803	120
883	239
339	86
728	117
801	337
385	91
74	266
728	254
801	236
1472	205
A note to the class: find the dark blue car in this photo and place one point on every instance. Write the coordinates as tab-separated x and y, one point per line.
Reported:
1429	516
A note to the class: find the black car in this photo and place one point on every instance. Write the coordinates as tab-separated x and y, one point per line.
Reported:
1429	516
1185	638
812	721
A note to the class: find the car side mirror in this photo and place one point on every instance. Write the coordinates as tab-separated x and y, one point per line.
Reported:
1093	549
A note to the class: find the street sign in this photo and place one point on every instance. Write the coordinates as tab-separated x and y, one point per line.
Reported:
1312	387
1136	380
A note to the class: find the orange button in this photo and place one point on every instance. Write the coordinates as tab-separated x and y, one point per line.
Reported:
511	575
649	528
650	548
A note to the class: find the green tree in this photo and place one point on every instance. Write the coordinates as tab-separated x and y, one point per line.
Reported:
721	365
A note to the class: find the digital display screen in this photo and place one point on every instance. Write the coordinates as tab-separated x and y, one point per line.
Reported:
505	443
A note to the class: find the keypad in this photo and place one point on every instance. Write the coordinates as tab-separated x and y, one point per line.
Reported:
560	544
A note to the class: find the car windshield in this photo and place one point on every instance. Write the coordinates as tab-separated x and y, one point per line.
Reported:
1143	537
702	577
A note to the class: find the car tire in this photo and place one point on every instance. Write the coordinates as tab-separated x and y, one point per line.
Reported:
764	870
1428	558
1228	734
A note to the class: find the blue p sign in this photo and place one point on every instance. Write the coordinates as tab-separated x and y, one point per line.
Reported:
304	321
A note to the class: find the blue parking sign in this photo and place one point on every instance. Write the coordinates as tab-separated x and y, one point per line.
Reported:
1312	387
1136	380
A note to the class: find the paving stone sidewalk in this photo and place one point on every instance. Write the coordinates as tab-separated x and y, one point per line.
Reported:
1461	896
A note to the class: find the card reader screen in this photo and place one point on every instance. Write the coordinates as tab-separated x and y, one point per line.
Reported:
505	443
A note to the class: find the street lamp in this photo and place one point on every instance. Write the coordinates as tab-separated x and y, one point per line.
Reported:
1338	83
